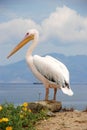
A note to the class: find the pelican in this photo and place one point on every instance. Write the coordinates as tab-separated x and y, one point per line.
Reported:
50	71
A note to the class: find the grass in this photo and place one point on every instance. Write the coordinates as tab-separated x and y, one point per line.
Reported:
20	117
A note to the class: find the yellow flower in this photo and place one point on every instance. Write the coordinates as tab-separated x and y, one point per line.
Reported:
9	128
0	120
29	110
1	108
24	109
4	119
25	104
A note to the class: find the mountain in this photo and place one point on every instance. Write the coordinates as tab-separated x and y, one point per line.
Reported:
16	73
20	73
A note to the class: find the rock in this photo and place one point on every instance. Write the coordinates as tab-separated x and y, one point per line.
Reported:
35	107
50	114
53	106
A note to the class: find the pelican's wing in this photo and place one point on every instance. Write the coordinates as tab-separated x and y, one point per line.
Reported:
50	68
61	66
54	71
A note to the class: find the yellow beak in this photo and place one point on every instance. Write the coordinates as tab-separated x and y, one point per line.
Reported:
21	44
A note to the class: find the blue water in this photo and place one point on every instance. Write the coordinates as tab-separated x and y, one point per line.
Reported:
19	93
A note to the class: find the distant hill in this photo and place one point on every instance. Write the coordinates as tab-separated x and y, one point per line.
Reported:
20	73
16	73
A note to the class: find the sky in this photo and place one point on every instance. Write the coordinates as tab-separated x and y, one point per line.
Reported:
62	25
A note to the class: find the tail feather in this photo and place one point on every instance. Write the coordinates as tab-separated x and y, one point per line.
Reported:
67	91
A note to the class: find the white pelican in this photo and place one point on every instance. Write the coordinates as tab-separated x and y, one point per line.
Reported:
50	71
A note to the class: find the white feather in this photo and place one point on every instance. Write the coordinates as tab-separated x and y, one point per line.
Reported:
46	69
60	67
54	71
51	69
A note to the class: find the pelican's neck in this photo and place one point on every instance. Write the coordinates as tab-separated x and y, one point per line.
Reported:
32	47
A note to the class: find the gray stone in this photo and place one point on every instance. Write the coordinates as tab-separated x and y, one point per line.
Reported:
53	106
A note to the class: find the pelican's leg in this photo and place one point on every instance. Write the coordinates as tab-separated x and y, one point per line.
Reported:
47	94
55	91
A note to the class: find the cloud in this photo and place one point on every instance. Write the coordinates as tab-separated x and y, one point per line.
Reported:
11	33
65	24
15	28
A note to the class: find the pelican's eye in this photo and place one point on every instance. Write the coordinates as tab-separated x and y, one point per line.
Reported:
27	33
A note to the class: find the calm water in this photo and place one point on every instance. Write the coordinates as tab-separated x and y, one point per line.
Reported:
19	93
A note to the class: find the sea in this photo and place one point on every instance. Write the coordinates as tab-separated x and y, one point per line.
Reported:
19	93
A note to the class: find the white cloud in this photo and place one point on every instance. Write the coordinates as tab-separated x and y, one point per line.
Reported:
15	29
11	33
65	25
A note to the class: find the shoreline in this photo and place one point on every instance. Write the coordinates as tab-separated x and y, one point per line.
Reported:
19	93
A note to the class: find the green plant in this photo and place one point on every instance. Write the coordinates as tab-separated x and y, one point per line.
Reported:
19	117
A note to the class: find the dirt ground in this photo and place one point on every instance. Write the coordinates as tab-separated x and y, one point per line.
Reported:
76	120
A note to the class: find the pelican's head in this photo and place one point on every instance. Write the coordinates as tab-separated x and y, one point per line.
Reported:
30	35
